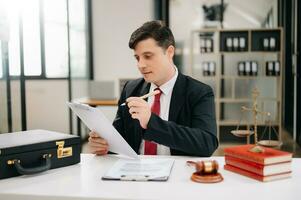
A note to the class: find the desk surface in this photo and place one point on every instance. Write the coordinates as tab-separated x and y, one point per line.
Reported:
83	181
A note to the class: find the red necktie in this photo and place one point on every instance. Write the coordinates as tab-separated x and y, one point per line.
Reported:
150	148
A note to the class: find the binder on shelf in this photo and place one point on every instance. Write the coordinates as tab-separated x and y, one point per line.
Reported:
254	68
241	68
265	40
247	68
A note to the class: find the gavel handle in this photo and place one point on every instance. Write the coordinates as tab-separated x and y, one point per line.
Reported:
191	163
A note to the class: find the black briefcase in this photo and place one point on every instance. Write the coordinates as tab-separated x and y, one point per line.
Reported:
30	152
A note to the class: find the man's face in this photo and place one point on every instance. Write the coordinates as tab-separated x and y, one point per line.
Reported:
153	61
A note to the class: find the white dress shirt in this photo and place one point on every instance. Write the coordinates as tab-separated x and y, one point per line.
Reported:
165	98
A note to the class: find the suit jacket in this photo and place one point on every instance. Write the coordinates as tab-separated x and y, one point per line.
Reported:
191	128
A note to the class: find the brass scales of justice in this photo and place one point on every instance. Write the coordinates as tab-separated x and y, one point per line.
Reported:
248	132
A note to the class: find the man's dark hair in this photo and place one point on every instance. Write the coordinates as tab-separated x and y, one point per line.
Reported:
153	29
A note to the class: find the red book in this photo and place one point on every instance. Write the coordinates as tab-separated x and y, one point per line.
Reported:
269	156
256	176
262	170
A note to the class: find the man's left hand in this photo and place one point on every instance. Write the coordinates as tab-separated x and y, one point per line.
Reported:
139	109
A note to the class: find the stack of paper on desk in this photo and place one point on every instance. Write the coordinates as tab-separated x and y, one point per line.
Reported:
96	121
146	169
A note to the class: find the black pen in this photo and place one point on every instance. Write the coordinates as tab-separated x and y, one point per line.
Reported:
153	93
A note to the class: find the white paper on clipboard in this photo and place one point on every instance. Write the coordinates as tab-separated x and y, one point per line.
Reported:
96	121
145	169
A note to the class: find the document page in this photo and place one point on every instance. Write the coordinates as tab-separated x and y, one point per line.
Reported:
96	121
145	169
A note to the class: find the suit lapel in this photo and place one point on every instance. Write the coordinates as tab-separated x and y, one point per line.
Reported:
177	98
144	89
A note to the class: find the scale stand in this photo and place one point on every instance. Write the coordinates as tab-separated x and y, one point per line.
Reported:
270	142
246	133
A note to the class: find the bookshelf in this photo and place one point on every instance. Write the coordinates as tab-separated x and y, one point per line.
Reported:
233	62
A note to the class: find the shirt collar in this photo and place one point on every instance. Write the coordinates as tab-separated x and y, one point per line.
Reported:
167	87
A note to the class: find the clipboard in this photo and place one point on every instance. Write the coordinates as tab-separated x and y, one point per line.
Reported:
145	169
96	121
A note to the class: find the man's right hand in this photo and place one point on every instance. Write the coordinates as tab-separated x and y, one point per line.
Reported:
97	144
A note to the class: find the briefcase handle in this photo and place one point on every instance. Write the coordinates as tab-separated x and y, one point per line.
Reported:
33	170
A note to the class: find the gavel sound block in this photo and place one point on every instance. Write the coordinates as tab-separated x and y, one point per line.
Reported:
206	172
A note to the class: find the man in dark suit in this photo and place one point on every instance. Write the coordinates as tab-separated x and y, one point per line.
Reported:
179	119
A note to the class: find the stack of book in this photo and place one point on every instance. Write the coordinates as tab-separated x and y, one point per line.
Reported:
264	166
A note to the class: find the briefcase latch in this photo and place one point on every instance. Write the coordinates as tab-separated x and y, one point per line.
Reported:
61	151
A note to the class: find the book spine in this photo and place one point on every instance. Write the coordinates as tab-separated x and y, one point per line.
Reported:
246	165
244	157
243	172
256	176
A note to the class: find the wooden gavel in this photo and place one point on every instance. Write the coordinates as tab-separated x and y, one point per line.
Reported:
205	167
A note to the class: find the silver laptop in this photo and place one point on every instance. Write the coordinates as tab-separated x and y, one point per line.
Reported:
104	90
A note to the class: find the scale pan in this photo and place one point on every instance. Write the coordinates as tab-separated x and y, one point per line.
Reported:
270	143
242	133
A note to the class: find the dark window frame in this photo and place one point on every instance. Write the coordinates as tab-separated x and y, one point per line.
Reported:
88	32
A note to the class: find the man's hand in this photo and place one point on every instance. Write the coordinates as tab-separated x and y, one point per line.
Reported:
97	144
139	109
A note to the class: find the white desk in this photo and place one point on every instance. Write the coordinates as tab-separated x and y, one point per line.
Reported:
83	181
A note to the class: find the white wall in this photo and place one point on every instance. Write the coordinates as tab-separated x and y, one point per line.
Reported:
46	105
15	106
3	107
113	22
